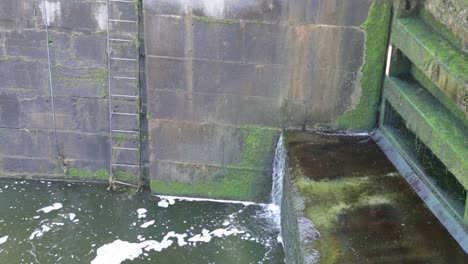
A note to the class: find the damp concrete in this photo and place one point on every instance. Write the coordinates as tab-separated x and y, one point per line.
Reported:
362	210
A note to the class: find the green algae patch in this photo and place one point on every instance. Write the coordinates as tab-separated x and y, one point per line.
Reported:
124	176
77	174
364	211
440	28
238	184
212	20
258	147
364	115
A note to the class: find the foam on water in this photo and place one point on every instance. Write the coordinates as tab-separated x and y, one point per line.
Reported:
118	251
48	209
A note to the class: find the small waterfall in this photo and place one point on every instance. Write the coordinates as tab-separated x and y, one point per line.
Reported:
278	172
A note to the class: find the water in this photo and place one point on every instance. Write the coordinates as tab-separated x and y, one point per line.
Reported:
57	222
278	172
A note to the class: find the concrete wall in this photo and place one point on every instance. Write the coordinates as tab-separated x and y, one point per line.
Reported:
215	67
79	69
222	77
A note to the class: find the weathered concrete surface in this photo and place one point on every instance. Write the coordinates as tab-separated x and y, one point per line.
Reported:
215	66
362	207
79	72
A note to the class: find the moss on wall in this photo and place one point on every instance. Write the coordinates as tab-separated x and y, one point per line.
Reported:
77	174
247	180
364	116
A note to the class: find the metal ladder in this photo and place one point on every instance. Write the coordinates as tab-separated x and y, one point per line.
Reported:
124	96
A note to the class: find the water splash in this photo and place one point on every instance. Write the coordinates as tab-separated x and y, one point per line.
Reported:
278	172
279	163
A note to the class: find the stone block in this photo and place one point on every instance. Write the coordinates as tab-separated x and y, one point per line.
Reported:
193	142
237	78
27	143
126	156
84	16
83	146
166	74
329	12
121	49
90	47
17	73
262	10
165	36
82	114
264	43
29	165
9	111
124	86
125	140
247	42
125	105
127	68
123	30
36	113
79	82
166	7
123	11
30	44
223	109
328	79
17	10
125	122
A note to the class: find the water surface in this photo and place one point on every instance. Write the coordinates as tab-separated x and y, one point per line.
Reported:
57	222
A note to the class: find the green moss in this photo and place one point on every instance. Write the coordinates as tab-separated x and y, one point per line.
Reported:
237	184
121	138
74	173
364	116
124	176
212	20
258	146
440	28
150	115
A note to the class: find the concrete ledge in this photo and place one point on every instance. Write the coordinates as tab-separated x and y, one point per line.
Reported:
443	64
432	123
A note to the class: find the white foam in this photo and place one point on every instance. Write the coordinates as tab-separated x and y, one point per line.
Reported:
39	232
145	225
141	212
192	199
163	203
3	239
119	251
71	216
50	208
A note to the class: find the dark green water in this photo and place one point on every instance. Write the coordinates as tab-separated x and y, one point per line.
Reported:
56	222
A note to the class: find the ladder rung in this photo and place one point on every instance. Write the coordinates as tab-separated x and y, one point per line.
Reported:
124	59
122	20
121	1
125	131
127	114
124	148
122	40
123	95
124	77
125	165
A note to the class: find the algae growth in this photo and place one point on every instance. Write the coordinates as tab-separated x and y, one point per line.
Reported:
364	115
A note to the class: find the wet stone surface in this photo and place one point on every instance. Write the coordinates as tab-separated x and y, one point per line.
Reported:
363	208
56	222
